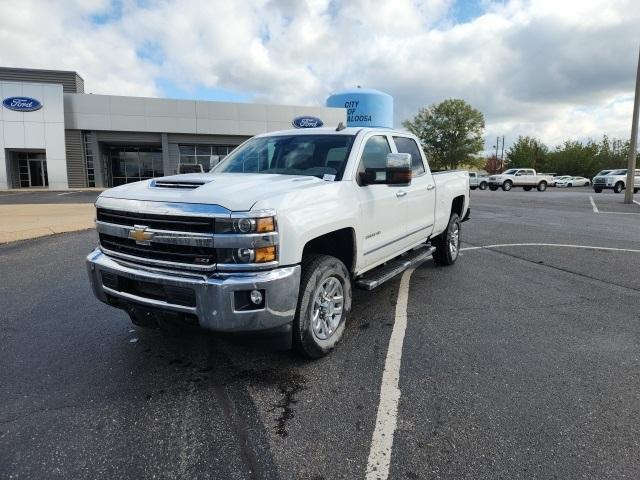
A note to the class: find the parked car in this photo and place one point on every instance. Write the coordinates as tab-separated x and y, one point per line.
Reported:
527	178
573	182
560	178
276	236
478	181
615	180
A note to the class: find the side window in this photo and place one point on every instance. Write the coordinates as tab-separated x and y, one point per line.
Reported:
409	145
375	153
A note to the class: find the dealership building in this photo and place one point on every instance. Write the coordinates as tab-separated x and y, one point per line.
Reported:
53	135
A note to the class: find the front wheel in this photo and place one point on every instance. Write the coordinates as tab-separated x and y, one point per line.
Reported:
542	186
448	243
473	188
597	190
324	301
483	186
506	186
618	187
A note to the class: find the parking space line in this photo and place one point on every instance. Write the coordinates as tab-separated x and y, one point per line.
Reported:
387	416
636	202
593	204
586	247
66	193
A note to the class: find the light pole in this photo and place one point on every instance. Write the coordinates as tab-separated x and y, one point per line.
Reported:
631	163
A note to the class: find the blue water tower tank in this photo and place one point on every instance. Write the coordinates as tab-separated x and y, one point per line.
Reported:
365	107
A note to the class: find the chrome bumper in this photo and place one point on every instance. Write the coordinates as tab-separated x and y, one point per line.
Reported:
214	293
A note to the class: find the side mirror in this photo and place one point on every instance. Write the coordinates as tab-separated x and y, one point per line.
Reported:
396	172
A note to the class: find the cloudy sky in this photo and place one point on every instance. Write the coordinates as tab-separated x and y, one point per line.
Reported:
554	69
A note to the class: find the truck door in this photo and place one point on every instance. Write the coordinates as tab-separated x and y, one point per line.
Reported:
383	210
421	194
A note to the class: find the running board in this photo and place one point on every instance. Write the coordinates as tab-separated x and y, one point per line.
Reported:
381	274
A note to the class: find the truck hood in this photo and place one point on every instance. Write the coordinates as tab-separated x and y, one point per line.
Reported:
233	191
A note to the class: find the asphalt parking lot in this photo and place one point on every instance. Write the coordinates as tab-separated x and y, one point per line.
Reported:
520	361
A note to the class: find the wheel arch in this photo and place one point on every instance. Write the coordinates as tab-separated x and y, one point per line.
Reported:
339	243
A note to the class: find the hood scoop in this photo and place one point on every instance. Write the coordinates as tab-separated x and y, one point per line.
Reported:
179	183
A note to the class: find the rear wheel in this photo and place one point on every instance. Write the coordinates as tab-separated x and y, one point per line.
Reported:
542	186
618	187
448	243
506	186
473	188
635	190
483	185
324	301
526	189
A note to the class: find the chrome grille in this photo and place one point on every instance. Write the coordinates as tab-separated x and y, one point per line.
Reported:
158	222
599	180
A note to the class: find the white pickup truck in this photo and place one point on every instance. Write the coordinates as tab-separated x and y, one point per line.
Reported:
615	180
276	235
526	178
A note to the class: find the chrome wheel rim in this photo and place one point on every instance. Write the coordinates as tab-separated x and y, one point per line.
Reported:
454	240
328	304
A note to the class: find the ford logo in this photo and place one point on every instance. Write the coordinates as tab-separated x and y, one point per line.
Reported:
307	122
22	104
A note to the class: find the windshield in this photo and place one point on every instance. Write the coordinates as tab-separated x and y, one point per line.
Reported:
311	155
603	172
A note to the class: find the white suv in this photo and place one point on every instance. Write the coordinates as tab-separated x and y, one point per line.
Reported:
616	180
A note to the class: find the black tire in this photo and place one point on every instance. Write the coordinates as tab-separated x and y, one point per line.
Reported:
507	185
618	187
493	188
527	189
482	186
542	186
317	270
473	188
444	254
570	185
597	190
635	190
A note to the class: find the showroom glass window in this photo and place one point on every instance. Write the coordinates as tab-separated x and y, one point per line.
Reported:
203	154
132	164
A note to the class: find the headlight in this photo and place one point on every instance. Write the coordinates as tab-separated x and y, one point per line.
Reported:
247	255
246	225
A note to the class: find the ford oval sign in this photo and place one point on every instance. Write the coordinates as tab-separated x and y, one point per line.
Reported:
307	122
22	104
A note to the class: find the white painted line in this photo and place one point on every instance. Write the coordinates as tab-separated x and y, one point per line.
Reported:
621	213
66	193
386	419
636	201
593	204
587	247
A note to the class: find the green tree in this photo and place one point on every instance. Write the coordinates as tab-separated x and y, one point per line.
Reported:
528	152
451	133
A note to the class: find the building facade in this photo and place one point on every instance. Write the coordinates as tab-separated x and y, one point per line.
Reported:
53	135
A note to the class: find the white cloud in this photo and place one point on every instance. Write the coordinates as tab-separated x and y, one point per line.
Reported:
546	68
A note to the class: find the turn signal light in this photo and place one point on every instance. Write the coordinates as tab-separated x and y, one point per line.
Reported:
265	224
265	254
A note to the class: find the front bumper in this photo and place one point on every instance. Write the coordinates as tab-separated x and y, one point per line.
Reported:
214	295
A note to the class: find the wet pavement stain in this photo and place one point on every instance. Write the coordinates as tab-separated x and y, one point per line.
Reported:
289	386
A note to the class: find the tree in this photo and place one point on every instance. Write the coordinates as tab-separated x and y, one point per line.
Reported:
528	152
492	164
451	132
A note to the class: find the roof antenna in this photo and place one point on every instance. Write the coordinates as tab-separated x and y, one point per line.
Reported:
340	127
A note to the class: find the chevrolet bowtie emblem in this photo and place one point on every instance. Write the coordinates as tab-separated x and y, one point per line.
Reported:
140	235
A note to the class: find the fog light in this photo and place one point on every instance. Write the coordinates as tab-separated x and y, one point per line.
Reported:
256	297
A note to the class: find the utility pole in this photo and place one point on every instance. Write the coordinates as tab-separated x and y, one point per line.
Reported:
631	164
502	154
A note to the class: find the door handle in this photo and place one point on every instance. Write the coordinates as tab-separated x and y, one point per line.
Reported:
430	186
400	193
